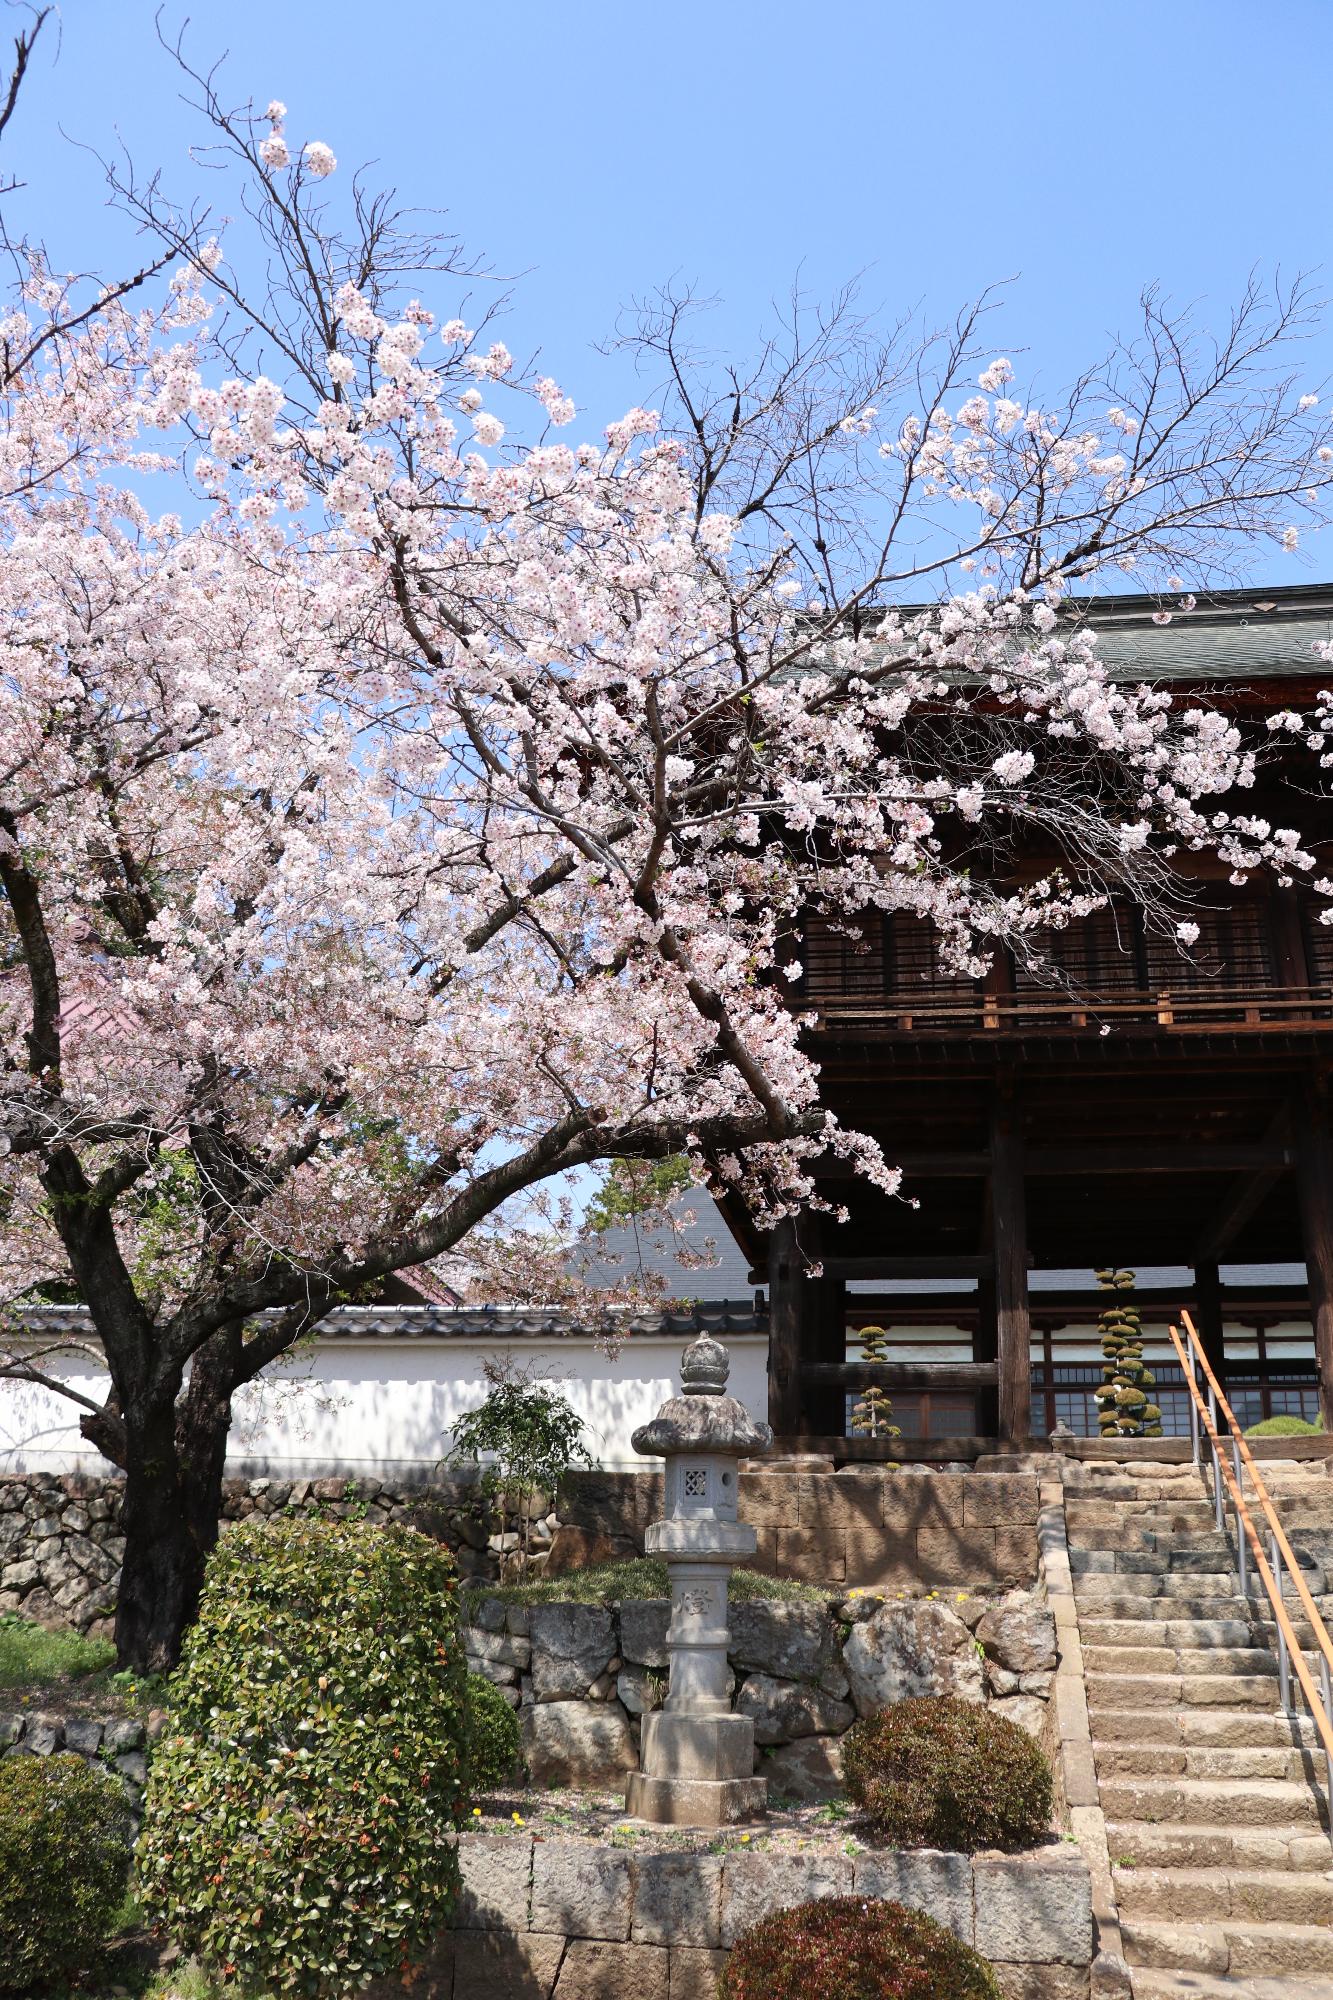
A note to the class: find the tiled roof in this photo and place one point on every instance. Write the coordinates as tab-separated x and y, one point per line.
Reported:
473	1322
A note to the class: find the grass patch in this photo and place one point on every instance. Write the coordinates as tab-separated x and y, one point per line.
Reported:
30	1656
610	1583
1285	1427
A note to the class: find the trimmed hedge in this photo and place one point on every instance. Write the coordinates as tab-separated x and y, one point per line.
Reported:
302	1802
848	1948
493	1737
1285	1427
64	1862
934	1771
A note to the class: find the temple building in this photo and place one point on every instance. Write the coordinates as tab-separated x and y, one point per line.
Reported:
1156	1109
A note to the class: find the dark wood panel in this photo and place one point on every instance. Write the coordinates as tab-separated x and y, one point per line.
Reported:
963	1376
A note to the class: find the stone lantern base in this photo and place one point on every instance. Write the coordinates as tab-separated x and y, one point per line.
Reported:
697	1771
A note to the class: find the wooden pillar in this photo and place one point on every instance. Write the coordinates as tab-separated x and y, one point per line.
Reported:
788	1304
825	1409
985	1347
1212	1332
1314	1189
1013	1321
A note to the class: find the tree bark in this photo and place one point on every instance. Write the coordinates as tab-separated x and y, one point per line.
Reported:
174	1462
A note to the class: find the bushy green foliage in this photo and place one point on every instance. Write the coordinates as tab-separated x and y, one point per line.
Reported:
1284	1427
636	1191
1124	1407
526	1436
301	1804
64	1861
492	1737
937	1772
849	1948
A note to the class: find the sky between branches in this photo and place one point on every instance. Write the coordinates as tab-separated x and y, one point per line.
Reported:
592	150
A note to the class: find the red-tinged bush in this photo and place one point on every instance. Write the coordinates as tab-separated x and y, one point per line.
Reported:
938	1772
854	1948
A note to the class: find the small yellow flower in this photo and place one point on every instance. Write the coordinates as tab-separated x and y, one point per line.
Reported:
744	1838
518	1819
476	1812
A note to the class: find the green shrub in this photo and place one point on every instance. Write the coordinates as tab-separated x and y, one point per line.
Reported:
492	1737
301	1804
1284	1427
938	1772
64	1861
848	1948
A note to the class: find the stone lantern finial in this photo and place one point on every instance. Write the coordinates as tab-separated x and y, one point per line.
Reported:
698	1755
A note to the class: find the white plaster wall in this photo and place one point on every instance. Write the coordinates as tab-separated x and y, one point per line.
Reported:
384	1407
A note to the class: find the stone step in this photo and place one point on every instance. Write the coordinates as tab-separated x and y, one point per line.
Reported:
1152	1984
1182	1690
1261	1894
1193	1584
1192	1660
1185	1760
1216	1728
1179	1632
1161	1516
1244	1802
1238	1947
1216	1844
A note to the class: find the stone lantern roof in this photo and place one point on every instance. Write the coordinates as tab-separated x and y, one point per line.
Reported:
703	1418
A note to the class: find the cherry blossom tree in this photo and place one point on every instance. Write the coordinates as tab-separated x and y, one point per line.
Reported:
401	806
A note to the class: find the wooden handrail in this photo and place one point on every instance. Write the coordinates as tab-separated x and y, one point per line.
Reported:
1295	1652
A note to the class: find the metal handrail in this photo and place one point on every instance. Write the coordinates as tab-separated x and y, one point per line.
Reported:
1279	1557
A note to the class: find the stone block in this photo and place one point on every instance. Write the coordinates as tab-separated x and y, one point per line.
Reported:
678	1900
908	1649
922	1879
705	1748
768	1499
831	1500
783	1710
643	1629
999	1500
1019	1634
1043	1982
574	1548
598	1971
1016	1555
83	1737
1034	1908
582	1891
577	1742
571	1645
500	1648
432	1977
812	1555
695	1972
794	1641
43	1735
699	1802
641	1689
879	1558
133	1766
506	1965
957	1555
125	1733
497	1879
754	1885
808	1771
911	1502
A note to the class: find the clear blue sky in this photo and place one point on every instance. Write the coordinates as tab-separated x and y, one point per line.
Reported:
1083	148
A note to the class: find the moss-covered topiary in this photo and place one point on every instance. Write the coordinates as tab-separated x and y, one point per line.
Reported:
64	1861
302	1802
851	1948
493	1738
1124	1405
938	1772
1285	1427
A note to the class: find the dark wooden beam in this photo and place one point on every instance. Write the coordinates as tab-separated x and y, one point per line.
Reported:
1314	1187
787	1310
906	1267
1248	1193
879	1451
1094	1160
1013	1324
958	1375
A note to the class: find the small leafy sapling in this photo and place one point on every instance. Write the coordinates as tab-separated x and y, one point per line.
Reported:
526	1437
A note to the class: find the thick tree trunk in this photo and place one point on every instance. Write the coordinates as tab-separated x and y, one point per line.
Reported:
174	1464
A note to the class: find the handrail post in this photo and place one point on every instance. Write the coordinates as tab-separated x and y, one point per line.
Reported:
1241	1552
1217	1463
1327	1709
1283	1663
1328	1754
1192	1385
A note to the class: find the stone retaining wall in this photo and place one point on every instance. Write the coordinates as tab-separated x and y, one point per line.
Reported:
61	1546
119	1743
582	1675
559	1919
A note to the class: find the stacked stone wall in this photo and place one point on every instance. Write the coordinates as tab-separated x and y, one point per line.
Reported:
560	1919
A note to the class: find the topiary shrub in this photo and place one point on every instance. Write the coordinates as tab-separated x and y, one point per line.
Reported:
1285	1427
301	1804
64	1862
938	1772
493	1737
849	1948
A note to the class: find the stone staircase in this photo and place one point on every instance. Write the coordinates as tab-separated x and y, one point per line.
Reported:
1213	1798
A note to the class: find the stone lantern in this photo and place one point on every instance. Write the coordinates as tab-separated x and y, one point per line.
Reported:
697	1754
